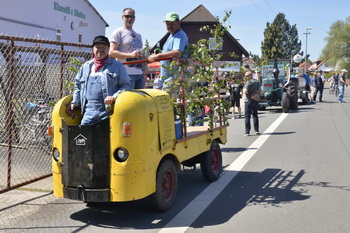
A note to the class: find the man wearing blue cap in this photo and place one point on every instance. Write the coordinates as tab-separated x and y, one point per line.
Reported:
174	47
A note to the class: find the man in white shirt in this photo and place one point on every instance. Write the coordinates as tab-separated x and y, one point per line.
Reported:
126	45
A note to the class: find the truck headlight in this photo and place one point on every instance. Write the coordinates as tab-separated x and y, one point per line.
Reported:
121	154
56	154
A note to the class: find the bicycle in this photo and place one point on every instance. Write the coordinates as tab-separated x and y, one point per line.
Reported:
334	90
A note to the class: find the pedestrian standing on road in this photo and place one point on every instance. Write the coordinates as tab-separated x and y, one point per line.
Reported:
341	85
99	83
320	84
126	45
236	91
336	79
252	91
313	87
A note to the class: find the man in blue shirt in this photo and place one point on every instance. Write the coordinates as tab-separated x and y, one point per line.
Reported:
174	47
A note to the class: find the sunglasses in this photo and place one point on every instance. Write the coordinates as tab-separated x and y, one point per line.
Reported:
129	16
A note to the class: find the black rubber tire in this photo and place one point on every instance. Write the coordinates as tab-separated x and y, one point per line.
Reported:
211	163
166	186
285	102
293	96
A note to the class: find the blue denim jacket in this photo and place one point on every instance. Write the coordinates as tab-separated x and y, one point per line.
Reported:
114	81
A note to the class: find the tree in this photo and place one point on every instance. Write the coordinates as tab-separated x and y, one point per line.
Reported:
257	59
281	40
337	49
200	68
147	48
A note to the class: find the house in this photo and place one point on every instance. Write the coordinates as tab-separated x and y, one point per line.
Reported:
316	66
249	62
199	17
302	66
58	20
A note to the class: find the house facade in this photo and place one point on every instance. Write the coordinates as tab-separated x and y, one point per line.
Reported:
57	20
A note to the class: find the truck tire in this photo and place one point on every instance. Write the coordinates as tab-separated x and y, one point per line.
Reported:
211	163
285	102
293	96
166	186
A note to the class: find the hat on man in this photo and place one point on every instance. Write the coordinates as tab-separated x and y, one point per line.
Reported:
344	70
101	40
171	16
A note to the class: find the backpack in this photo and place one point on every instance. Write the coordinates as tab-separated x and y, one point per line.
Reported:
255	96
235	93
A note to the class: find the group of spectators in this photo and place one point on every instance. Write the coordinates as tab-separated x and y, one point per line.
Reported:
252	88
337	80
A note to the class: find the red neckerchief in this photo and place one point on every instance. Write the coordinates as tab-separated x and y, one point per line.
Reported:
100	63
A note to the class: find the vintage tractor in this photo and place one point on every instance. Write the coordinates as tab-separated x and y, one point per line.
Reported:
273	78
275	92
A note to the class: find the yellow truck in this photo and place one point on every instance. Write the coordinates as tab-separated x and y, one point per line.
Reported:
133	154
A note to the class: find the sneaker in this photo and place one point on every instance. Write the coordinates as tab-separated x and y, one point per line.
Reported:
257	133
246	135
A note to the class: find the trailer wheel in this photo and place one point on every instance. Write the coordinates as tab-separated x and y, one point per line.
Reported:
285	102
166	186
211	163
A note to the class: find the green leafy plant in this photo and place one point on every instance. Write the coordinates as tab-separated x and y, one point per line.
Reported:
200	68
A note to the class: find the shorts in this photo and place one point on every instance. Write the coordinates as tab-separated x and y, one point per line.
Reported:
313	90
236	103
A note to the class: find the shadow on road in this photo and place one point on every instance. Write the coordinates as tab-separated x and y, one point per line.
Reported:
272	187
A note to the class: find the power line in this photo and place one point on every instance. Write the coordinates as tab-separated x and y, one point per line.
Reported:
270	7
260	10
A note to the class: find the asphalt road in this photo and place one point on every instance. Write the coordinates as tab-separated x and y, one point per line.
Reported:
292	178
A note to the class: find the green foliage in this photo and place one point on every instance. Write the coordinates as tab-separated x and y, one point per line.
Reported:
74	65
280	40
201	61
337	49
146	49
257	59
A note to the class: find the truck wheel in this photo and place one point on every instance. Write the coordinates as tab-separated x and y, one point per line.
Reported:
285	102
211	163
166	186
293	93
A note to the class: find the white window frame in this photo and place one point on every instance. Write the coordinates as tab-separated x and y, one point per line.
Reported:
80	38
58	34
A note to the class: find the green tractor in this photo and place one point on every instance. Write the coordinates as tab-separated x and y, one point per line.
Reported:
273	78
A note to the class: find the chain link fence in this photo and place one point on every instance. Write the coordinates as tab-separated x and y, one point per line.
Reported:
34	74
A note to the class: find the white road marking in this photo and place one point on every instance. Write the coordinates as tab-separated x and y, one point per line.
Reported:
183	220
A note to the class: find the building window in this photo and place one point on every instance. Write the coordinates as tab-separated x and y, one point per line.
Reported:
58	34
215	44
80	38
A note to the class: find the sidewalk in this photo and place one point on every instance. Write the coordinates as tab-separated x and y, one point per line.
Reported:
40	185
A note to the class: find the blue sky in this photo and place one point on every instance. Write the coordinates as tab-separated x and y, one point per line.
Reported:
248	19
